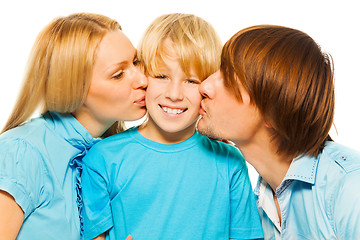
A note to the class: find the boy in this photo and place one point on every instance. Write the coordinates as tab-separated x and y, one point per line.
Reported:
164	180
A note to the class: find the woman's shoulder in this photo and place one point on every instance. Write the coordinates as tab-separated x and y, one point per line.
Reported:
25	131
19	151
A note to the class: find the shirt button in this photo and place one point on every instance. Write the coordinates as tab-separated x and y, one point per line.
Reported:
343	158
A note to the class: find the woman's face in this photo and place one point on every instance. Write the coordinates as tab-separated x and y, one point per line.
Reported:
117	89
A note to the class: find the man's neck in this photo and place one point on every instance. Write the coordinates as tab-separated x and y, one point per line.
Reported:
263	156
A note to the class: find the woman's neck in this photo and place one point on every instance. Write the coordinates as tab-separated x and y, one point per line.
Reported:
95	127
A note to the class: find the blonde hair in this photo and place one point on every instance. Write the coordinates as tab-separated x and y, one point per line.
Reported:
195	41
60	66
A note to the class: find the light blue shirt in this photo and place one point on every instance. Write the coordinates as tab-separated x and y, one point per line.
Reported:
39	167
197	189
319	198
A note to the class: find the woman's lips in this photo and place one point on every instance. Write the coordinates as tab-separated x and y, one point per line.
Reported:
140	101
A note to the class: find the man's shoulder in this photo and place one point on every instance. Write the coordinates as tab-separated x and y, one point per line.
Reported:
345	158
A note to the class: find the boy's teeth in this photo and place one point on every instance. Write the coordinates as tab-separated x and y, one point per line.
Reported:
172	110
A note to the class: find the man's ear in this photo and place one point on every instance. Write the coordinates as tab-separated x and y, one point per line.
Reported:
268	125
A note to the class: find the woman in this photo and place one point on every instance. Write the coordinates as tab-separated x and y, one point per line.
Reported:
83	72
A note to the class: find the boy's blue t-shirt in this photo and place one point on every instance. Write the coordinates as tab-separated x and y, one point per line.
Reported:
196	189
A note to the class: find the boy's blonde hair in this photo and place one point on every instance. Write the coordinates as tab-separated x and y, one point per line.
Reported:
196	43
60	67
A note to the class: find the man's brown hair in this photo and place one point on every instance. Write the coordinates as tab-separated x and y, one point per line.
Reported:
289	79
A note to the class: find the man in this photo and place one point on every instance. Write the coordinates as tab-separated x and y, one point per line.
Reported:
274	98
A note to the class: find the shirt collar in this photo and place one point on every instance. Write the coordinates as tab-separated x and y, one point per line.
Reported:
303	168
67	127
265	200
70	129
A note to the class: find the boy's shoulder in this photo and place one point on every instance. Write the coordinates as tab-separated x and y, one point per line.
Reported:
116	140
222	147
107	151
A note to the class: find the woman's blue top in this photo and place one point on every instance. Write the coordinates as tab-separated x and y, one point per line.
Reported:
40	166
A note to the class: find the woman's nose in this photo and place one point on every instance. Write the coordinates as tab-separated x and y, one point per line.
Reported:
141	80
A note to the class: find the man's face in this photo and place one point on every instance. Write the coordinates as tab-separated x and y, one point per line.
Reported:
224	116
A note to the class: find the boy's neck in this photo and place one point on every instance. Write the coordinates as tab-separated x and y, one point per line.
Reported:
153	132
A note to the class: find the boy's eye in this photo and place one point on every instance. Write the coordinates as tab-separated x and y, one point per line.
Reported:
192	81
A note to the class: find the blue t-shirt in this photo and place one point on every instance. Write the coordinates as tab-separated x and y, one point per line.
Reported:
196	189
39	167
319	198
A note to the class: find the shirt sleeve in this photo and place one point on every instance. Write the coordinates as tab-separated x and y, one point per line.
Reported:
20	173
244	217
97	210
347	207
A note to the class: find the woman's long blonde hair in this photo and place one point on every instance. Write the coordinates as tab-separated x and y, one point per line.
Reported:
60	67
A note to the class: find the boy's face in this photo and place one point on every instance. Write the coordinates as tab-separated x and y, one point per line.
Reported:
173	99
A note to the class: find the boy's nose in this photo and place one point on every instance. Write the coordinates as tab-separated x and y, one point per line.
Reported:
175	91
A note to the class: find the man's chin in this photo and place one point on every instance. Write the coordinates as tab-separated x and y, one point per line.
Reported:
208	132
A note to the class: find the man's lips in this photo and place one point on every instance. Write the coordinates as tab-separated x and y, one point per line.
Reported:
202	108
140	101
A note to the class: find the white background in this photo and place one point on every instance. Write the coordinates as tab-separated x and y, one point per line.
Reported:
334	25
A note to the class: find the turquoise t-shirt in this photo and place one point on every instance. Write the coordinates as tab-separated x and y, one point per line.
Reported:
39	167
319	198
196	189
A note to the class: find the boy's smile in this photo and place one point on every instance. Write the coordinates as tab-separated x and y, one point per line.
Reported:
173	110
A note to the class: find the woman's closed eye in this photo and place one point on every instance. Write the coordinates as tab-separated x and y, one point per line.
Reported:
136	62
160	77
118	75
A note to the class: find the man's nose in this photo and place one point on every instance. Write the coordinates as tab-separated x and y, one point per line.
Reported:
206	88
